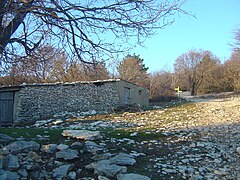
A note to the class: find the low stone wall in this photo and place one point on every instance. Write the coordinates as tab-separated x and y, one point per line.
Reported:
43	101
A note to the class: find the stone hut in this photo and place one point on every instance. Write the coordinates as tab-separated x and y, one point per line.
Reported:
30	102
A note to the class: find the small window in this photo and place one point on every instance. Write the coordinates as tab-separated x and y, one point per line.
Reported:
140	92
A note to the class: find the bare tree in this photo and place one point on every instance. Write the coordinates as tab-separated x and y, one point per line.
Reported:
232	71
90	29
194	66
161	84
236	44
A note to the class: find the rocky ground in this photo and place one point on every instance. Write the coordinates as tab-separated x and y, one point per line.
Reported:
197	140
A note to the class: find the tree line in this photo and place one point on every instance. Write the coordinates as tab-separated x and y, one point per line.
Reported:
60	41
197	71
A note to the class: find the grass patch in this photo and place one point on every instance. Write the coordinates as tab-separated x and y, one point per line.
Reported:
51	135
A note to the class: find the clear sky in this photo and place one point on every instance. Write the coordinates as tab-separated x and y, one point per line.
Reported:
212	29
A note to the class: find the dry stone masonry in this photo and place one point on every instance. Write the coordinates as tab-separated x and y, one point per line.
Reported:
43	101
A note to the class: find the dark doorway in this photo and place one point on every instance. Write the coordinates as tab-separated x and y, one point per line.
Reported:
126	95
6	108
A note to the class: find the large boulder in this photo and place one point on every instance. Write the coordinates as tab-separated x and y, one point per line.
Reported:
21	146
82	134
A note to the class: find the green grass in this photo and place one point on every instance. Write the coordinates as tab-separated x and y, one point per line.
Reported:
34	133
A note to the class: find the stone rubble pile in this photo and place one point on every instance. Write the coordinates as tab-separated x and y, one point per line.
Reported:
28	159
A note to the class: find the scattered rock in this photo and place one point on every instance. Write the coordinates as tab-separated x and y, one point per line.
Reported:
123	159
1	162
61	171
132	176
82	134
88	113
11	163
72	175
49	148
21	146
102	178
104	167
62	147
104	156
8	175
33	157
76	145
238	150
23	173
58	121
5	138
92	147
67	154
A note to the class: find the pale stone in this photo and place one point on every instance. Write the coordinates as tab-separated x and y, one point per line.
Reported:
8	175
61	171
132	176
72	175
11	162
67	154
49	148
5	138
21	146
82	134
104	167
123	159
238	150
102	178
92	147
62	147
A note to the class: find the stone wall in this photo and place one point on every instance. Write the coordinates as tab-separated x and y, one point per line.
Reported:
43	101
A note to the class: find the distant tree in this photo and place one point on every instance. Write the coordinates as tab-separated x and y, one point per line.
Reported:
35	68
97	72
87	28
232	71
76	71
194	66
214	79
161	84
38	66
133	69
231	68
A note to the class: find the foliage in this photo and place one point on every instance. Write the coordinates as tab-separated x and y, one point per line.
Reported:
133	69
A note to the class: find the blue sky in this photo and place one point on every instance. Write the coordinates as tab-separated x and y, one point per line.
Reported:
212	29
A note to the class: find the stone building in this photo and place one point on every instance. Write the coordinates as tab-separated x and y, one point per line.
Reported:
31	102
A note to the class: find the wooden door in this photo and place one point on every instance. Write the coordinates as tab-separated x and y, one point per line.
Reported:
6	108
126	95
